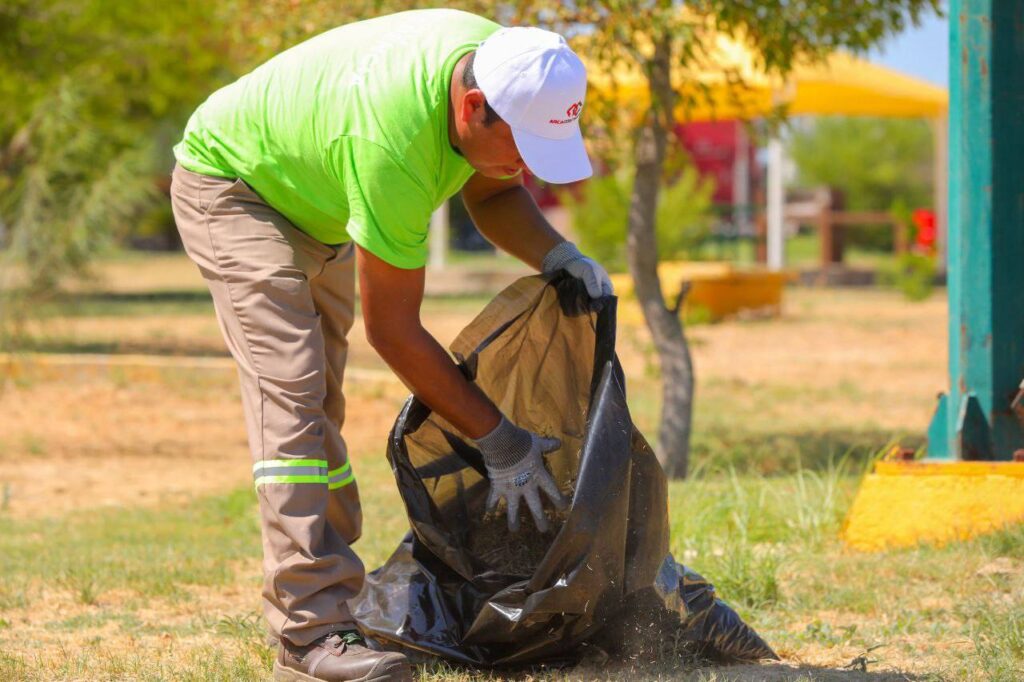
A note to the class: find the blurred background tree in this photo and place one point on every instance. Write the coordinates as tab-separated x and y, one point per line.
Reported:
879	164
98	92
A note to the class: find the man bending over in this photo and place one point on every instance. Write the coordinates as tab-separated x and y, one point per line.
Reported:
329	160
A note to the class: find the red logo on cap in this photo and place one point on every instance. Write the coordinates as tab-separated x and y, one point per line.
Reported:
573	112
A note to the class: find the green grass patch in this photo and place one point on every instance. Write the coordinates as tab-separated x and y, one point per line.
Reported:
128	304
998	636
151	552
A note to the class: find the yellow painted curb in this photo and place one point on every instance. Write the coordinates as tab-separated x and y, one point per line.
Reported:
901	504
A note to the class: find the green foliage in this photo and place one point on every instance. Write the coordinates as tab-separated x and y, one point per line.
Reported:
95	95
95	90
913	274
783	31
879	164
63	207
600	214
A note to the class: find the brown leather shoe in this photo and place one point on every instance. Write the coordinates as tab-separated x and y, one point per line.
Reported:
339	657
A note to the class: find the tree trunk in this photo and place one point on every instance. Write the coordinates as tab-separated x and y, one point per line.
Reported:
663	321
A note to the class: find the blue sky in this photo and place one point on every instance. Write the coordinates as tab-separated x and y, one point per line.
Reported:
921	51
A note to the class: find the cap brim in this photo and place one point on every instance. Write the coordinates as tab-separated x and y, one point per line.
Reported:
555	161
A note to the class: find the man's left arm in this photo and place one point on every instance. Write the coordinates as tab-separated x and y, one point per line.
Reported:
506	214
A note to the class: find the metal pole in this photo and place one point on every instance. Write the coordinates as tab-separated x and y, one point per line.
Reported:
776	238
976	420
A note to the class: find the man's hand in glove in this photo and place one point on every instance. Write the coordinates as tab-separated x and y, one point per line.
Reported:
515	464
565	256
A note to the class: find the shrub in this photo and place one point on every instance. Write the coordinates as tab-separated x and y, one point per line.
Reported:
600	210
911	273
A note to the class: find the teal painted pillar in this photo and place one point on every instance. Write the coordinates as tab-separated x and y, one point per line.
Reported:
975	419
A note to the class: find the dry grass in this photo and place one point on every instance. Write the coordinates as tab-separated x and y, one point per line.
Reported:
855	358
132	552
106	440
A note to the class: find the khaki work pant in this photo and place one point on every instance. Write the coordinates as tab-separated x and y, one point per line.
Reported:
285	303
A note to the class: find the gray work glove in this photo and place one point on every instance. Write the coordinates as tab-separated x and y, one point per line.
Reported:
515	464
566	256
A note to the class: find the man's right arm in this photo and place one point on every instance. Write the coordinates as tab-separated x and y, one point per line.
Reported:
391	299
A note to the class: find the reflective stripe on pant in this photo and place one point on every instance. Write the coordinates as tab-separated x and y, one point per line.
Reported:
285	303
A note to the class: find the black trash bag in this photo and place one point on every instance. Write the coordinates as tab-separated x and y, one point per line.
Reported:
461	586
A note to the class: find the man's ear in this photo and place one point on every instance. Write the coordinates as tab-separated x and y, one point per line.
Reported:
472	104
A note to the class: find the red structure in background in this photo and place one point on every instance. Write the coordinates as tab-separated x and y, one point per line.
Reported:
713	148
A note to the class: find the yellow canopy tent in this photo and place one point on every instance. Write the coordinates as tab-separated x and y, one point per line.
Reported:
843	84
847	85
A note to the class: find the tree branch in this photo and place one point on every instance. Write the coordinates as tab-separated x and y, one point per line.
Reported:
684	290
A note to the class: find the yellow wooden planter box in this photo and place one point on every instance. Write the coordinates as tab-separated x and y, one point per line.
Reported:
717	290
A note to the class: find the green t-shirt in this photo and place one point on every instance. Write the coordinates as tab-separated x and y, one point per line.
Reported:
346	134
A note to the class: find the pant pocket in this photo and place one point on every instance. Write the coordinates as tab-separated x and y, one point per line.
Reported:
211	188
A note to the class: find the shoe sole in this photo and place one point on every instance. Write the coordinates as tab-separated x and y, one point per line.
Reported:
395	672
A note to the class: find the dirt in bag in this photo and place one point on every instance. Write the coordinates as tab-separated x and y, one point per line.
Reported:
517	553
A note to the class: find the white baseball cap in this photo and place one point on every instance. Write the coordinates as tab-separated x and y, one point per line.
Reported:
537	84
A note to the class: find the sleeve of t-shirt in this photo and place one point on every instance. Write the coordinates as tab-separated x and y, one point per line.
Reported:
389	210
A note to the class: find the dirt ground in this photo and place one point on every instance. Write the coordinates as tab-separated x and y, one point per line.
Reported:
835	359
172	440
